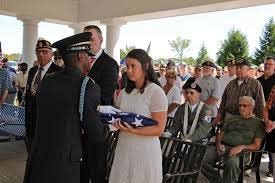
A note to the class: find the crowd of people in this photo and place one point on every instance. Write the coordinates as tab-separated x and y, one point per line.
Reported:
240	100
65	89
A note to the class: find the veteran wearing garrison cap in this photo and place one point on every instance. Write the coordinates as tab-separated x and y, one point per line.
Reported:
210	86
57	146
46	66
193	118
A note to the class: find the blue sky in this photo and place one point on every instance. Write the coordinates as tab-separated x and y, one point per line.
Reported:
210	28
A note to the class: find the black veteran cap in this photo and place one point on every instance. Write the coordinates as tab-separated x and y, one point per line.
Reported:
241	62
231	62
193	86
75	43
208	63
43	44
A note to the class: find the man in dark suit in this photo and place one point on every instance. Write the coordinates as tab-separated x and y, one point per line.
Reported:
56	151
104	69
36	74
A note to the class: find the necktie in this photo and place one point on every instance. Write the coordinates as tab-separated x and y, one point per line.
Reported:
92	61
36	81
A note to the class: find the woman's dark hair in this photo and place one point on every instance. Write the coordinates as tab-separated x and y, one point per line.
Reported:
145	60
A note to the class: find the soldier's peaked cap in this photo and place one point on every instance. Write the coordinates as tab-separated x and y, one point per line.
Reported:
75	43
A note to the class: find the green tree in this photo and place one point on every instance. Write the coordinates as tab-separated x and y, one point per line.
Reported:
124	52
267	43
189	61
235	46
202	55
179	45
13	56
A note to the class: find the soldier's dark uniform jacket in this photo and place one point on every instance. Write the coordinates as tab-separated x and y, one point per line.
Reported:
57	147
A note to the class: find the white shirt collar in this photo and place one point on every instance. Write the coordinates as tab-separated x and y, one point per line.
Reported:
47	66
192	107
45	69
98	54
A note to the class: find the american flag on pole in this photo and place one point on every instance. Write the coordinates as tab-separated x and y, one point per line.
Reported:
132	119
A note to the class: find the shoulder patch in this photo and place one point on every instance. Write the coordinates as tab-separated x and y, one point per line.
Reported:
208	118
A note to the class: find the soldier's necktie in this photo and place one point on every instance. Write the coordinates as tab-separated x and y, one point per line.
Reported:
37	81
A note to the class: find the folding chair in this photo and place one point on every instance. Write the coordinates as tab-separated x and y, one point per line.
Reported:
169	122
12	123
254	163
181	161
110	145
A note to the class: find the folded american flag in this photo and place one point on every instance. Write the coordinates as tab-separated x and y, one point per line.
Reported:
132	119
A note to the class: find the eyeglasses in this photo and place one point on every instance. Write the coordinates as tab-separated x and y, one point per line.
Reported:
244	105
189	92
44	52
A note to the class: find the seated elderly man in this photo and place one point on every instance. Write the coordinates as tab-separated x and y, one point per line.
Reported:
240	133
193	118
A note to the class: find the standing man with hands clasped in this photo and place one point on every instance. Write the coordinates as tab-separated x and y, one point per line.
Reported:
57	148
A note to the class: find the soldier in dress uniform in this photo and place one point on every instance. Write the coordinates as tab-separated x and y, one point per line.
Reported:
193	118
210	86
57	146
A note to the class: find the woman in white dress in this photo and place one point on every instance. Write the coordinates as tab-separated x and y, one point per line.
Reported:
172	92
138	156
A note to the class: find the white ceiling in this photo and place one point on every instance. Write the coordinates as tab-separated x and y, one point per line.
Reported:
81	11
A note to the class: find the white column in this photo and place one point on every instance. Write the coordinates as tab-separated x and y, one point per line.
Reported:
30	34
112	37
77	27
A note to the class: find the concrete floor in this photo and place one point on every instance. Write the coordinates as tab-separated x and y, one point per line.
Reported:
13	156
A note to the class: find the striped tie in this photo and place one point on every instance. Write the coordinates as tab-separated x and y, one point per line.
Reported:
36	81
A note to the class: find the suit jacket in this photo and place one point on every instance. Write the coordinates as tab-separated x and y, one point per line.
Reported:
30	105
105	73
56	150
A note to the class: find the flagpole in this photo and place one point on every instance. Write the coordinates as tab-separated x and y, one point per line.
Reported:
1	54
148	48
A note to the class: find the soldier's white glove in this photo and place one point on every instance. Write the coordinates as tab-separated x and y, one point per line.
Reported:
167	134
107	109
